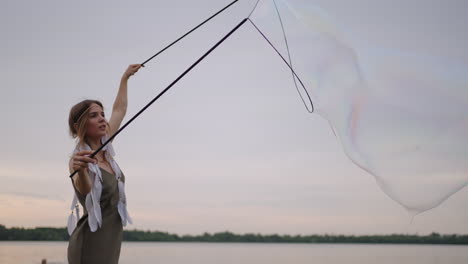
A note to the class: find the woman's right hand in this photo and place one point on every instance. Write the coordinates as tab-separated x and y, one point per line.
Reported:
81	159
131	70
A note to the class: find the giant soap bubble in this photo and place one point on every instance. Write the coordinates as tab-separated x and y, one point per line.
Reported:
401	117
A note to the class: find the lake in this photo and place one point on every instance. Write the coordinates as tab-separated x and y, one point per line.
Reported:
24	252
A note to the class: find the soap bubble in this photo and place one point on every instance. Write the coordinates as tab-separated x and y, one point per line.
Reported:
401	117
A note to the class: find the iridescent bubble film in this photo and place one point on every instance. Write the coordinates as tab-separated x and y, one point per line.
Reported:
402	117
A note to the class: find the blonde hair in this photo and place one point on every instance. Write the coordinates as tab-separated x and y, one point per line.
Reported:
78	119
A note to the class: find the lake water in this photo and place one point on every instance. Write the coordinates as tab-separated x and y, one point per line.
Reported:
20	252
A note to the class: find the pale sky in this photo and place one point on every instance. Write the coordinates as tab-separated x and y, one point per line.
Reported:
229	147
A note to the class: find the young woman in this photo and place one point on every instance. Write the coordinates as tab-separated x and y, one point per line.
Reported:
99	183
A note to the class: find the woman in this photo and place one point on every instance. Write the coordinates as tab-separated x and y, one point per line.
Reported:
99	183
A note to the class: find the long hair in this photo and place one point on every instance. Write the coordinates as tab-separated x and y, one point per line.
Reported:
78	118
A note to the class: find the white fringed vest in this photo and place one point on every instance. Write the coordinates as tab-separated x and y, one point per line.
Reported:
93	198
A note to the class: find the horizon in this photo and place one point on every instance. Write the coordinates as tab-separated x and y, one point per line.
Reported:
256	233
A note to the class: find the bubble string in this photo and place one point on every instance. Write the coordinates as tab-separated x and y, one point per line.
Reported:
290	67
290	63
202	57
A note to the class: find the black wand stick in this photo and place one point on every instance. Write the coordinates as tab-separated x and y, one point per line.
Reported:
190	31
167	88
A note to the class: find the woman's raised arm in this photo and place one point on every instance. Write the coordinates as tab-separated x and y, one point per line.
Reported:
119	108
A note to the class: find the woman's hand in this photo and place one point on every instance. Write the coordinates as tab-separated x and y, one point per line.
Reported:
81	159
132	69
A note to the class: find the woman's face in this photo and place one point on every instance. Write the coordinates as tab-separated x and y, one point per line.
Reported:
96	124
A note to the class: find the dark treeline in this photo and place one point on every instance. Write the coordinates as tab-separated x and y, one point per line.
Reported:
60	234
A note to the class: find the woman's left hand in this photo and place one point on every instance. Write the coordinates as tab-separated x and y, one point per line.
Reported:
132	69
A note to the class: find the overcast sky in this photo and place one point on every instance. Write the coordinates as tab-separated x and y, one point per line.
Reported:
230	147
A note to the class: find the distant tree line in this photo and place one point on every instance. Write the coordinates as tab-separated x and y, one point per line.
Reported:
61	234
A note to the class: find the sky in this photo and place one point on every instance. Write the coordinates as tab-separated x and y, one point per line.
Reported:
230	146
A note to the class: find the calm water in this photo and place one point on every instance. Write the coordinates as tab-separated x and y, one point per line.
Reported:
211	253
